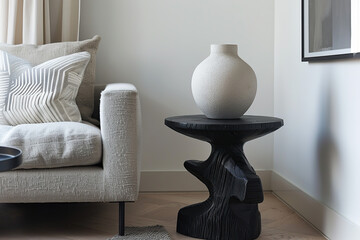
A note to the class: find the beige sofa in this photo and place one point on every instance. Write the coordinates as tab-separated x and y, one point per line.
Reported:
113	177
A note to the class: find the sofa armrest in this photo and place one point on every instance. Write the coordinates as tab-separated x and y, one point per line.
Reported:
120	123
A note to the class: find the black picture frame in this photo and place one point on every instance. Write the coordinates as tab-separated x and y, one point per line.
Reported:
328	34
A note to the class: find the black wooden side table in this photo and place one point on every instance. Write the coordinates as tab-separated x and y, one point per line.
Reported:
231	211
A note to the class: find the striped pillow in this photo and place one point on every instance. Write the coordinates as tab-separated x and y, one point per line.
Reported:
42	93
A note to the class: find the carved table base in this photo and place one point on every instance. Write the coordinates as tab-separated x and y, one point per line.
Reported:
231	211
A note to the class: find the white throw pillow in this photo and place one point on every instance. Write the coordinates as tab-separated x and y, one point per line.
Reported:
37	54
42	93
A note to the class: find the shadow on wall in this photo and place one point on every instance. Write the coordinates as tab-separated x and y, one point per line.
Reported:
327	150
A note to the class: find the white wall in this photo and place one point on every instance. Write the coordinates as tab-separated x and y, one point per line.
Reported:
156	45
318	149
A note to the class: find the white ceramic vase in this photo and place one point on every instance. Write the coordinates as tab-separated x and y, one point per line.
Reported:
223	85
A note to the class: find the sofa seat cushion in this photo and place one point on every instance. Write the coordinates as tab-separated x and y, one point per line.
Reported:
55	144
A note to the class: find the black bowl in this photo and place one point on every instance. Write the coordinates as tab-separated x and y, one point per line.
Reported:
10	158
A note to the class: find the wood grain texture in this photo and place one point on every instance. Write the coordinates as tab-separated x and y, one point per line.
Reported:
231	211
90	221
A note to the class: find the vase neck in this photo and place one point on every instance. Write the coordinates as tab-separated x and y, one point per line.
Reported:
224	49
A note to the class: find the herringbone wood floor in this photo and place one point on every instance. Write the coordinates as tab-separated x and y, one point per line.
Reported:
89	221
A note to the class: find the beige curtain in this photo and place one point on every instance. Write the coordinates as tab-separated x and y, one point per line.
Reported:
39	21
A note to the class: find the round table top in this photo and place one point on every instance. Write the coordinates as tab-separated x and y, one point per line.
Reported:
246	122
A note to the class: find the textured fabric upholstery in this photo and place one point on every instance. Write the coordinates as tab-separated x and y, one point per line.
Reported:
119	123
72	184
116	180
4	129
57	144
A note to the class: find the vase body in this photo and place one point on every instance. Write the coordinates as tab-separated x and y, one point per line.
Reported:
223	85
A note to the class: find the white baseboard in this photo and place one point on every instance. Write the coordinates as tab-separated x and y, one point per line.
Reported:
330	223
178	181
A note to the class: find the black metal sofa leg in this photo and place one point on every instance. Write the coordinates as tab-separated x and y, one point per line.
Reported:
121	218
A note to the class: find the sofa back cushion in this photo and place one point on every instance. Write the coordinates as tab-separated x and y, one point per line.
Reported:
42	53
